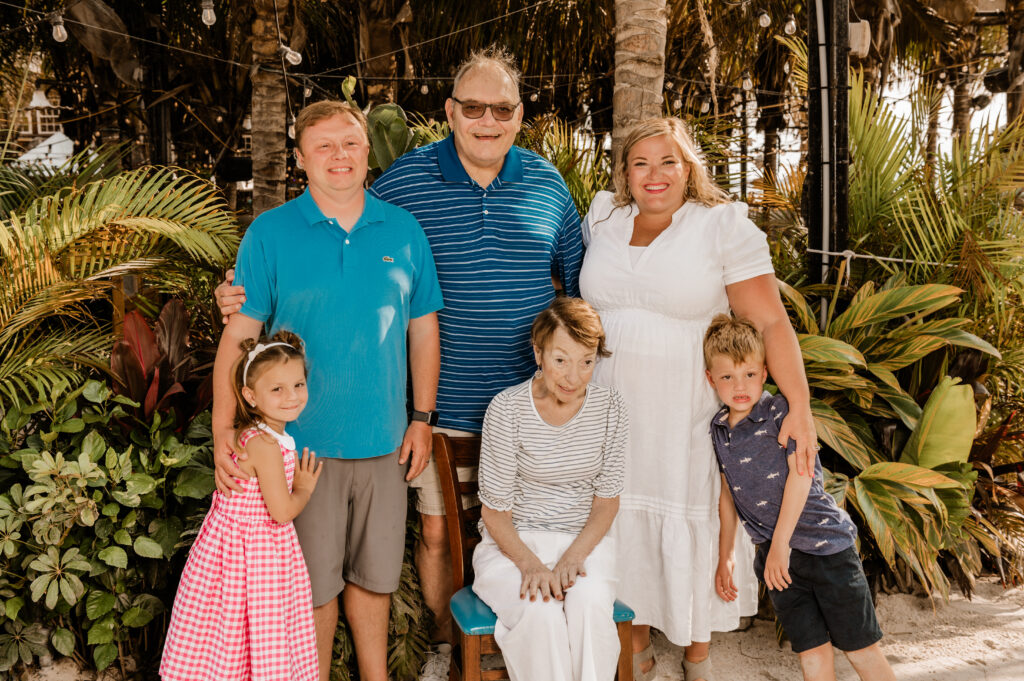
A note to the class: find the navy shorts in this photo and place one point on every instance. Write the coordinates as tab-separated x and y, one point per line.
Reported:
828	601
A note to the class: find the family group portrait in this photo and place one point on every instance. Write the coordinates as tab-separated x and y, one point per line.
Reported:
539	340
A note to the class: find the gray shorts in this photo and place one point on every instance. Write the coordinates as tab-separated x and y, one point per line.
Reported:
353	528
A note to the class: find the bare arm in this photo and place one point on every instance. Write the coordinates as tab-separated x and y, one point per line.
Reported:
425	368
776	568
758	300
265	459
571	564
239	328
537	578
725	587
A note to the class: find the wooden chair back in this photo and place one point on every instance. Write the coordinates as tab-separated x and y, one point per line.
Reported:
463	535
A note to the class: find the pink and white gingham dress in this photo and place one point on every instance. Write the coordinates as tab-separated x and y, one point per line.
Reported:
243	610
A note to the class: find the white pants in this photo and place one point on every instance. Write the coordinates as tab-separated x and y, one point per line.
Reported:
573	639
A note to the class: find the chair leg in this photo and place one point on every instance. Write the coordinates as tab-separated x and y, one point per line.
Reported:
470	657
625	669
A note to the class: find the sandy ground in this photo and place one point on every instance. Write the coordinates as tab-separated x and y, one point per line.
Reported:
925	639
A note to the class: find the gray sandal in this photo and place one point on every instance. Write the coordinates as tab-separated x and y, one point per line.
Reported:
692	671
638	660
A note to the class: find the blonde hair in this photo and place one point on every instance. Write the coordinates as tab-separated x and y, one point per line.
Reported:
699	185
496	55
579	320
736	338
319	111
246	415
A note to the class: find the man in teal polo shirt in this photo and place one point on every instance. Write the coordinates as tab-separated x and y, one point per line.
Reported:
355	278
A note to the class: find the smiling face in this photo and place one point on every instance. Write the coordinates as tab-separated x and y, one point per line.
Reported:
738	385
279	392
334	153
657	175
566	367
482	143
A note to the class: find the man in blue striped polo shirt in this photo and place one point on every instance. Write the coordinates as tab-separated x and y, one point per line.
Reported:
504	232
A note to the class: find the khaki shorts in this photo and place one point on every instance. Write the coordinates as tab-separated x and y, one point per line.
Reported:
353	528
429	499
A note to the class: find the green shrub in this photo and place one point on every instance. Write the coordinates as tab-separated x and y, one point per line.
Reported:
99	512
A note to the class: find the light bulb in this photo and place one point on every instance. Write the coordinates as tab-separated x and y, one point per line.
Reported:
246	123
790	27
209	17
748	84
137	74
785	67
705	106
424	89
291	127
60	34
677	104
764	20
533	97
668	85
291	56
307	91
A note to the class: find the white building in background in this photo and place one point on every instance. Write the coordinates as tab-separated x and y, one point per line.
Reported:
40	131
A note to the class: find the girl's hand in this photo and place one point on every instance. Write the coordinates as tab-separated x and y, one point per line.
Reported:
724	586
568	567
307	471
776	568
538	579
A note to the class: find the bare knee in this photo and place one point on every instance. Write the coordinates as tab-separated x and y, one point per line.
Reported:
818	663
870	663
434	532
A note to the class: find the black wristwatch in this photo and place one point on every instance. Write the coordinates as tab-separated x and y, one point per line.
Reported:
428	417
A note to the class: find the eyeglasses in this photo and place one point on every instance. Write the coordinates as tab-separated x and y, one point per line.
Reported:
502	111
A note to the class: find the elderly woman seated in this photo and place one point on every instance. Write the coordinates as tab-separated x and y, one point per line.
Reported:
551	470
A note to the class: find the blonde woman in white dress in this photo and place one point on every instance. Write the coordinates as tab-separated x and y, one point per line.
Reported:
667	252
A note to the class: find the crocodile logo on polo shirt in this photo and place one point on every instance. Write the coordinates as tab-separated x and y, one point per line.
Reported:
388	258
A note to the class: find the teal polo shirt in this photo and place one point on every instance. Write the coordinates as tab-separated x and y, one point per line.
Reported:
349	296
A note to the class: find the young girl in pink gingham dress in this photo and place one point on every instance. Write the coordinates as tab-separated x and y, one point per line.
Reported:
243	608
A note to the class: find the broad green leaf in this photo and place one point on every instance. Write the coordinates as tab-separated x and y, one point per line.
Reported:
98	604
945	431
896	354
147	548
892	304
824	349
104	655
63	641
136	617
880	513
101	631
838	435
907	474
139	484
13	606
804	313
114	556
93	446
95	391
194	483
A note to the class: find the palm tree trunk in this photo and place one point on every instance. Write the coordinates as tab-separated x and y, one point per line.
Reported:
378	46
1015	60
269	106
962	109
640	30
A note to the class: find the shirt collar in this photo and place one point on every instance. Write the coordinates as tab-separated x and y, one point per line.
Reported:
373	211
452	169
759	414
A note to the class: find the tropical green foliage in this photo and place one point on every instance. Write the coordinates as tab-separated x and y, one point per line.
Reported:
61	255
96	519
908	477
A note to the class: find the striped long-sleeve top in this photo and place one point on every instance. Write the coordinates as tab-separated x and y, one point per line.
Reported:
548	476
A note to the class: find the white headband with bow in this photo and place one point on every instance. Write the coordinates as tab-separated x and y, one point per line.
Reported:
260	347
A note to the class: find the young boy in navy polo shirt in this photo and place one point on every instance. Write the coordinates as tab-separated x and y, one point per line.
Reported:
805	543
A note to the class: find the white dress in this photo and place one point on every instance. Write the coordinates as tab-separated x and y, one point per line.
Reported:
655	314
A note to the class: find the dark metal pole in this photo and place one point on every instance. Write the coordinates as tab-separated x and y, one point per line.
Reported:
813	188
841	133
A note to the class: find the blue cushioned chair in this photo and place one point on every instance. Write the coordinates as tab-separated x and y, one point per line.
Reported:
473	619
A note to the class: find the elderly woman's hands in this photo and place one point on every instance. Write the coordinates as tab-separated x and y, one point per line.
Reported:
538	579
568	568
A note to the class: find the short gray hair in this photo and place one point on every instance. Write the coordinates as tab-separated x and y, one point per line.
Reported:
497	55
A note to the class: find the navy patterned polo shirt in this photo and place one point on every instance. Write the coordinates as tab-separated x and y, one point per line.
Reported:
755	466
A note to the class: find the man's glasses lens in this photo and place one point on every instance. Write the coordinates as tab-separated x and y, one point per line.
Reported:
501	112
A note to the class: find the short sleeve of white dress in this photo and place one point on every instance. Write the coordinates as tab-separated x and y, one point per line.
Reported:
600	209
742	247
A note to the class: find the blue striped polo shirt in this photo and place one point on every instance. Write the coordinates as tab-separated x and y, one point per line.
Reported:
496	249
349	296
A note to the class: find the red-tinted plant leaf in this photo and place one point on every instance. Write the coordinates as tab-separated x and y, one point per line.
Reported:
152	394
131	378
171	332
164	403
141	340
